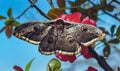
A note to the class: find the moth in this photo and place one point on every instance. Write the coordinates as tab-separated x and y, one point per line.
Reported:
58	36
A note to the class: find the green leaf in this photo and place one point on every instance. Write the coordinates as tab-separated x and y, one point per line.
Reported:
114	41
54	65
29	65
2	17
109	8
80	9
9	13
60	69
61	3
106	50
87	6
103	2
15	23
49	68
93	16
76	3
55	12
79	2
7	21
112	29
118	32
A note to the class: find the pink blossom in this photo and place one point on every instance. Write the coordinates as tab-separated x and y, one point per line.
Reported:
75	17
85	52
91	69
66	57
87	20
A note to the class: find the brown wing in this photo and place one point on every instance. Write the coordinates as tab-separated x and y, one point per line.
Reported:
32	32
67	41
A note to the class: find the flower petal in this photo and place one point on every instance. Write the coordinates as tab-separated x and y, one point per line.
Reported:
90	68
87	20
65	58
85	52
75	17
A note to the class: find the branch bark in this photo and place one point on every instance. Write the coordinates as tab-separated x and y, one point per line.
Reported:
101	61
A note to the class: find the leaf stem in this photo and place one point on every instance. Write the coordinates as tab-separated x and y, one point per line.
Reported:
51	3
101	61
116	48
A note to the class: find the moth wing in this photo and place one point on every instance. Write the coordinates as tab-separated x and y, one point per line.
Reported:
34	31
58	43
47	45
56	40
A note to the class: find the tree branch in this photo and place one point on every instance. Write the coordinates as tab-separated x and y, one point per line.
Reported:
23	12
101	61
106	11
42	13
111	15
116	1
51	3
1	30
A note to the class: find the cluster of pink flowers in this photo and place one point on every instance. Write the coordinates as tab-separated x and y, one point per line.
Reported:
76	17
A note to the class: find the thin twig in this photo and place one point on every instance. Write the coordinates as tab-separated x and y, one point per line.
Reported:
40	11
51	3
117	1
111	15
1	30
116	48
105	11
101	61
23	12
90	2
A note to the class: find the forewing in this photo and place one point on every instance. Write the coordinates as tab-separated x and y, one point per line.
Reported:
33	32
86	34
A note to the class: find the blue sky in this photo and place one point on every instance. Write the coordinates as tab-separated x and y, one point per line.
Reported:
14	51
